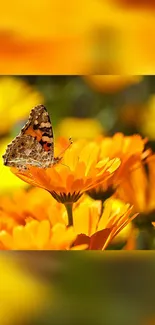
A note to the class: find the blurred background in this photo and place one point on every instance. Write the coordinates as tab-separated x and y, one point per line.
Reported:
47	287
100	104
116	103
95	36
95	104
83	287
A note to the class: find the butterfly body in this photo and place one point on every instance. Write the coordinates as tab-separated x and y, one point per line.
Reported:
35	144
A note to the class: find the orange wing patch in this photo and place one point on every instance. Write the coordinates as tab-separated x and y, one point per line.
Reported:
34	133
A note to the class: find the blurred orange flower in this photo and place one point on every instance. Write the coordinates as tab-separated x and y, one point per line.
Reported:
111	83
80	170
97	229
29	46
138	187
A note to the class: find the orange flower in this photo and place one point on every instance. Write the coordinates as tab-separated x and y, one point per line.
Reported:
79	171
138	188
42	223
38	205
38	235
36	224
97	229
130	151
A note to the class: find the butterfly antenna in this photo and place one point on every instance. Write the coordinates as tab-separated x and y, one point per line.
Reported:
65	165
61	153
70	143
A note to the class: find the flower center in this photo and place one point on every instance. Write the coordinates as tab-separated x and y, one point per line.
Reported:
66	198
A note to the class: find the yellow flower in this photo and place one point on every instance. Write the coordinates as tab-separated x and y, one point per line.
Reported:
38	235
16	98
130	151
124	234
87	128
97	229
79	171
8	181
111	83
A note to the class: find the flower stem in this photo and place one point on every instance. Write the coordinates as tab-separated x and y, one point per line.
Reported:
69	208
102	208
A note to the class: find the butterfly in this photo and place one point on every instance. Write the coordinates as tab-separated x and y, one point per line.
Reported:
35	143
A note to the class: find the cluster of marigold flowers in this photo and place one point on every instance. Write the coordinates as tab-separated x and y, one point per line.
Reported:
83	202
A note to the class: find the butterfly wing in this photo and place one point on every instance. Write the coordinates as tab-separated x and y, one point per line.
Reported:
39	126
35	144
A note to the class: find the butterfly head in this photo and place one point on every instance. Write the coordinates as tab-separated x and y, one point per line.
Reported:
56	160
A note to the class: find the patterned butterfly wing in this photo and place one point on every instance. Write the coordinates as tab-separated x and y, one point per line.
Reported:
35	143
